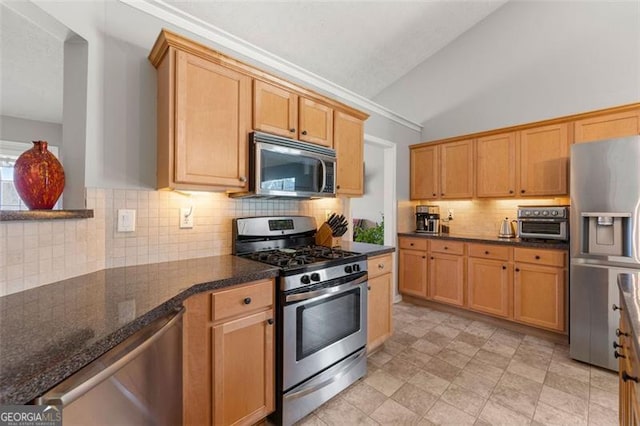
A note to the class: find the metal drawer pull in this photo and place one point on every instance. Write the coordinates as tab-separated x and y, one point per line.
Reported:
616	307
380	266
486	252
270	321
537	257
247	300
626	377
616	345
617	355
620	333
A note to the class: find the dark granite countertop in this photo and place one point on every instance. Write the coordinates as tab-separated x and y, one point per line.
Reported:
629	285
516	242
365	248
50	332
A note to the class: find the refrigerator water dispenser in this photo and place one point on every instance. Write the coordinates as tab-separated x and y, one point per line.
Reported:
604	234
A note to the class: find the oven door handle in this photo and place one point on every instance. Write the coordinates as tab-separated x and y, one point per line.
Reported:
311	387
326	291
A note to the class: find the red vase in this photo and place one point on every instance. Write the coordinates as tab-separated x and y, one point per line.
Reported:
38	177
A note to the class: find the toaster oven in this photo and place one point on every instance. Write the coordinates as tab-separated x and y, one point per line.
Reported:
543	222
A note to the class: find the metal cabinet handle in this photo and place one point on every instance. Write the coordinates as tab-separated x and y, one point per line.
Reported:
620	333
486	252
616	345
504	267
511	191
616	307
380	266
424	257
247	300
292	130
368	287
446	248
522	191
537	257
304	132
626	377
434	194
242	178
442	194
517	269
270	321
617	355
431	257
411	244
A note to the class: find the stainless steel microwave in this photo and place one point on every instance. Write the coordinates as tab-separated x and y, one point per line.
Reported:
283	168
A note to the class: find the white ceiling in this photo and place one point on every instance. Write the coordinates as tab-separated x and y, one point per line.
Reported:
31	67
361	46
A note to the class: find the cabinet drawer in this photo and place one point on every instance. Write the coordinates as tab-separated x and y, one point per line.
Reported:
380	265
413	243
448	247
541	257
242	300
489	251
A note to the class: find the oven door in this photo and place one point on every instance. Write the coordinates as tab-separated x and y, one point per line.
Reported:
543	229
322	326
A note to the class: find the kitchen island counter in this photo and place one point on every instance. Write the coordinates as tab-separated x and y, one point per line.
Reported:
50	332
515	242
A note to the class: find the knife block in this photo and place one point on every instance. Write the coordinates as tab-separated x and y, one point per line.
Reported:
324	237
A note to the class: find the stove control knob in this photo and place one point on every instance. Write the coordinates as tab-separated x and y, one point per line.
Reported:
315	276
545	213
356	268
305	279
348	269
536	213
554	213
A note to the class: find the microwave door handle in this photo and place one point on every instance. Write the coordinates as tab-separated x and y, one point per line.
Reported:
324	175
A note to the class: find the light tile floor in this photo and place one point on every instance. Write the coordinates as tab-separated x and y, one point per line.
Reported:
440	368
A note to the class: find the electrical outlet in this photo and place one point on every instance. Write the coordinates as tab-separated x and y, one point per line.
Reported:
186	217
126	220
450	214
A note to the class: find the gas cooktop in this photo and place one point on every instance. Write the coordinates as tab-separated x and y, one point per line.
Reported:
295	257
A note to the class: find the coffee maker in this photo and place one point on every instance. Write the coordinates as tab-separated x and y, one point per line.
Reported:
428	219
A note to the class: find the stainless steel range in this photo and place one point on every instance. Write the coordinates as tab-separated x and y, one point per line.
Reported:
321	311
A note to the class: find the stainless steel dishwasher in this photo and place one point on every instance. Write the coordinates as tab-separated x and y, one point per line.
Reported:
139	382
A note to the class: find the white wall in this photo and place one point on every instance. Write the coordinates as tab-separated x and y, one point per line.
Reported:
23	130
528	61
371	205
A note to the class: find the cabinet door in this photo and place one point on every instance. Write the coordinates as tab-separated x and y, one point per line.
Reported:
543	160
489	286
348	142
275	110
316	122
607	126
212	123
413	273
379	311
496	166
539	295
446	278
243	363
424	173
456	169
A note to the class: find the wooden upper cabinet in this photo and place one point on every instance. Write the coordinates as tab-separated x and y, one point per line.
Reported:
543	160
496	165
212	122
348	140
607	126
424	173
275	110
316	122
456	169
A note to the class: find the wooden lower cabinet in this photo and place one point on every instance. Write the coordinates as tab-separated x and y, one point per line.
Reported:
540	295
490	286
379	318
628	370
228	355
447	278
243	369
413	272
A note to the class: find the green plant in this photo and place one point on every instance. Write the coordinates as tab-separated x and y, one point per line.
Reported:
373	235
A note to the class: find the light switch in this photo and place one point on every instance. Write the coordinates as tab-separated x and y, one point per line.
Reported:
186	217
126	220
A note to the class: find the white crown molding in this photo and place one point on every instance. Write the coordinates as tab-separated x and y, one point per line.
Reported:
168	13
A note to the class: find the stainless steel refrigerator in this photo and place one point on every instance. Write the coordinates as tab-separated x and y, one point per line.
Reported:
605	207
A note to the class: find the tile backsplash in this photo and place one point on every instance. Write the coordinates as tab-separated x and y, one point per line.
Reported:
38	253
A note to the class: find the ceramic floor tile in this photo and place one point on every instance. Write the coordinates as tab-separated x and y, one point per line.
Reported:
604	398
478	384
429	382
380	358
414	398
457	322
384	382
485	370
340	412
449	332
533	359
415	330
516	401
571	404
515	383
526	370
444	414
463	399
604	379
454	358
364	397
570	368
491	358
403	338
442	369
499	415
392	413
471	339
463	348
311	420
501	349
567	384
400	369
426	345
551	416
601	416
415	357
538	341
